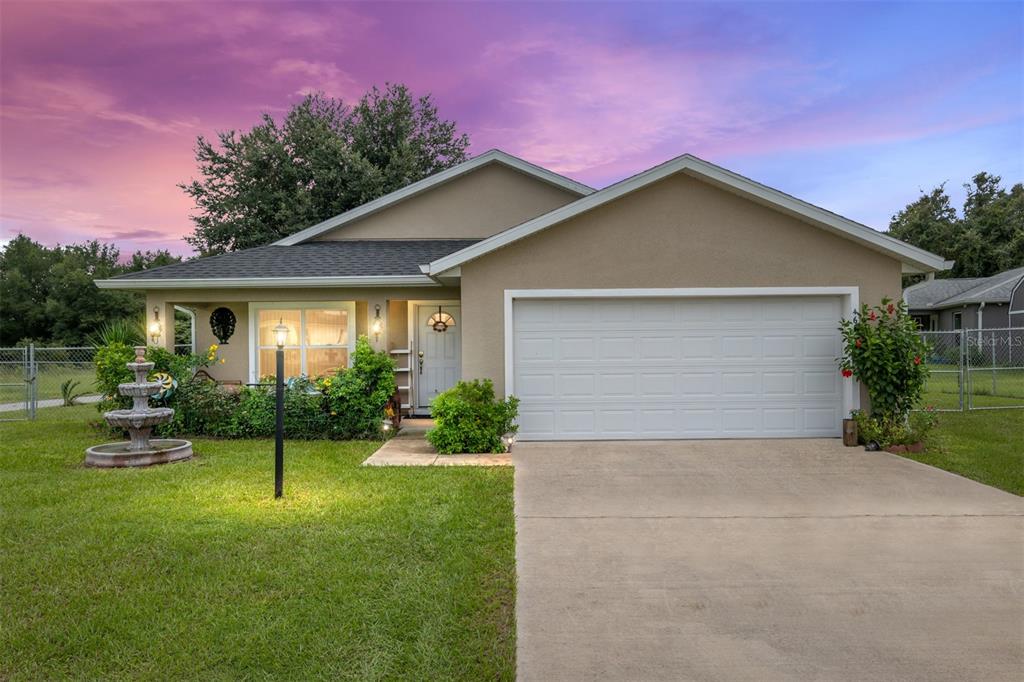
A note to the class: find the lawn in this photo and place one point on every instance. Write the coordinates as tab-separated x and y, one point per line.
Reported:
984	445
48	380
193	570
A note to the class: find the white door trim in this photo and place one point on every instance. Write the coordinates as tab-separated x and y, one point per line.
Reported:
850	296
412	314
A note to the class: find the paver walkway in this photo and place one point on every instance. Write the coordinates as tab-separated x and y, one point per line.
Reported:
411	449
761	560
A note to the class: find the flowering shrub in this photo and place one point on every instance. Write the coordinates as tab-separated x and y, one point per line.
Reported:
883	350
356	397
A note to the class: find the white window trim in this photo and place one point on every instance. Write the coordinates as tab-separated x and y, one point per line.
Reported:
254	308
850	303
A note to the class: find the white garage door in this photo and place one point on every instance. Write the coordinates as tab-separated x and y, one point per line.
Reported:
677	368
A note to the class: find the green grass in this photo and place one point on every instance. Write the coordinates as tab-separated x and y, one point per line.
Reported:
984	445
999	388
193	571
48	380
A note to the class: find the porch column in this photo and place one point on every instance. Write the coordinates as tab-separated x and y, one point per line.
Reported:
157	306
373	304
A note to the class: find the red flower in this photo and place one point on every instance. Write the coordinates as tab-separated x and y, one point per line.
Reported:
891	308
872	316
858	343
917	359
847	373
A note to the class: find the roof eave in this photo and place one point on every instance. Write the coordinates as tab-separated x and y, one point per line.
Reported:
268	282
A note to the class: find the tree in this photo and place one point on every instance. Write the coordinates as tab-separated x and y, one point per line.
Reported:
48	295
323	159
986	239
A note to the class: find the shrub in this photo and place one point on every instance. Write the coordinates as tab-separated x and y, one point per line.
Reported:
69	392
887	430
254	417
883	350
201	408
469	418
356	397
304	414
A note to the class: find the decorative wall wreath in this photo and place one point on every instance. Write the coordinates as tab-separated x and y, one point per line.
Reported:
222	324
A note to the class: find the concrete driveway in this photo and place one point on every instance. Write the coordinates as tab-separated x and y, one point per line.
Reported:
762	560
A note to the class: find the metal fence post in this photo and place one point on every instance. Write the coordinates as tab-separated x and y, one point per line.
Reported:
33	393
963	378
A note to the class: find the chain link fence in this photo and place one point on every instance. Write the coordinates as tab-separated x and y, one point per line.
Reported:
34	376
975	369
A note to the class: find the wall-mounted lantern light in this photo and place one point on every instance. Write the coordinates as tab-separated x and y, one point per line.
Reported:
155	328
377	326
440	321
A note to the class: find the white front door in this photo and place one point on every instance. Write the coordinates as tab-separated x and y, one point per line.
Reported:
677	367
438	354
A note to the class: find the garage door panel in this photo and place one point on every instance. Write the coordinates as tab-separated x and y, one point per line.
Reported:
677	368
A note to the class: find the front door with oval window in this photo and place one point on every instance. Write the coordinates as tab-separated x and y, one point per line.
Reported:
437	357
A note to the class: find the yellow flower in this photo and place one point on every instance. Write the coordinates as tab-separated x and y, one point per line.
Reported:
222	361
333	413
213	347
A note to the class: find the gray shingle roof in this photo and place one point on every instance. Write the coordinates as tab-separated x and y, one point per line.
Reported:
945	293
357	258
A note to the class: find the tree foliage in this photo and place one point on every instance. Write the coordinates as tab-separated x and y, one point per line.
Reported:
322	159
987	238
48	295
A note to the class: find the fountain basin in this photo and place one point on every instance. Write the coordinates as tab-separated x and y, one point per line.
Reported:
161	451
142	390
130	419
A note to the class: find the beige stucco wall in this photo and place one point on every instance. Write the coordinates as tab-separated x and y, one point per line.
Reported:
679	232
475	205
236	352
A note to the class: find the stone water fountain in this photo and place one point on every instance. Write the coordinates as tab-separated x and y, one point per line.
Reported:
139	420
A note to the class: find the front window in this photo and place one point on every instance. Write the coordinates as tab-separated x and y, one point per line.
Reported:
318	338
958	321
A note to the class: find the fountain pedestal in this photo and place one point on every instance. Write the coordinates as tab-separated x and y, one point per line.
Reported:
139	420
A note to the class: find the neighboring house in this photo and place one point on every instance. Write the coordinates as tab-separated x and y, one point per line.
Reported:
683	302
968	302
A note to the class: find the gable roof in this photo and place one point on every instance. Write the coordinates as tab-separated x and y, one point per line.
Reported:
948	293
334	263
913	258
435	180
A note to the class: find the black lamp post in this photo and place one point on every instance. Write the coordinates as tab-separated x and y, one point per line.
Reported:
281	337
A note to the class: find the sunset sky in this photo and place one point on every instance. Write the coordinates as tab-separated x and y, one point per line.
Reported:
854	107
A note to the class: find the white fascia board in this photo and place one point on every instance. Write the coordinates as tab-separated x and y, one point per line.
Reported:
268	282
913	257
492	156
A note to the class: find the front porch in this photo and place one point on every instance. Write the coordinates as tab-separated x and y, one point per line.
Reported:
324	325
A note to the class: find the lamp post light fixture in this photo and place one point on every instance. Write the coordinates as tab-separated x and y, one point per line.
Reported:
155	328
280	338
377	326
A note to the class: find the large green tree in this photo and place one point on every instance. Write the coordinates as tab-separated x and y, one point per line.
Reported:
48	295
322	159
986	238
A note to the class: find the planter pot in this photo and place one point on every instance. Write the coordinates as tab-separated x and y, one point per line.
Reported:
849	433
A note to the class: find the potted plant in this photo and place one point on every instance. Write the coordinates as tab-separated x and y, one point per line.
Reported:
883	350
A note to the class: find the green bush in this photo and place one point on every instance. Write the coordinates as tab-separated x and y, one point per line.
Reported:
887	430
254	417
356	397
201	408
468	418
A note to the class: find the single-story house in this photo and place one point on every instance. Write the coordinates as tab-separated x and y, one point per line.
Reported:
683	302
968	302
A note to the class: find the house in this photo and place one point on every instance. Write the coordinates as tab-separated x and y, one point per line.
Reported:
968	302
683	302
